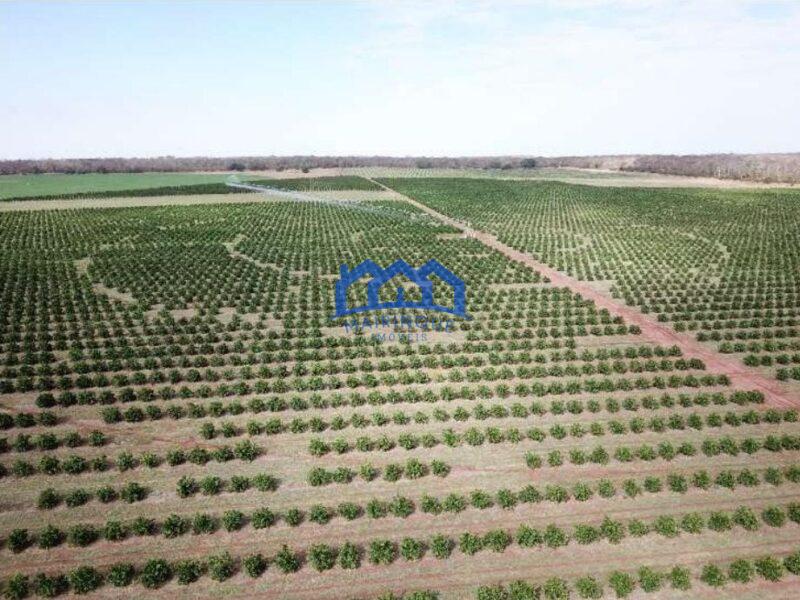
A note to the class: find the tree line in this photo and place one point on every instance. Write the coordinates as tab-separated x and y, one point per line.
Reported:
768	168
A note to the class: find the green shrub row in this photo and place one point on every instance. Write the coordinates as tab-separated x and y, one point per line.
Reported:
494	435
399	506
74	464
274	404
130	492
479	412
320	382
190	358
380	552
133	492
43	418
23	442
647	579
412	469
667	450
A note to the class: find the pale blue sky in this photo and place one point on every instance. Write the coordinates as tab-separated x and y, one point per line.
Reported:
407	78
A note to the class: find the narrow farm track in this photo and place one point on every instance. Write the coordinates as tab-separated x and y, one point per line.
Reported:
740	375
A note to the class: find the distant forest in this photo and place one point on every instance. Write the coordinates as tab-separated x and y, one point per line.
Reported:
768	168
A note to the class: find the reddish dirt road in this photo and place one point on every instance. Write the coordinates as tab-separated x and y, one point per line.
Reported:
653	331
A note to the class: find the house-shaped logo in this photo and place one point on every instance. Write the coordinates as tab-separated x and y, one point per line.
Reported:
380	277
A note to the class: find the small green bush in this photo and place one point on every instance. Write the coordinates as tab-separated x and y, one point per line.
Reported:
84	580
254	565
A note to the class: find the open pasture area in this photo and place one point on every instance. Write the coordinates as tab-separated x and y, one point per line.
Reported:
24	186
183	416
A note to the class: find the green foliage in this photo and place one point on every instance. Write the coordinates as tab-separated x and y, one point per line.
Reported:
50	586
497	540
174	526
774	516
769	568
741	571
554	537
84	580
792	563
441	546
649	579
50	537
221	566
411	549
18	540
48	498
204	523
622	584
133	492
286	560
187	571
114	531
712	575
121	574
349	556
555	588
322	557
382	552
232	520
589	588
81	535
491	592
680	578
17	587
254	565
155	573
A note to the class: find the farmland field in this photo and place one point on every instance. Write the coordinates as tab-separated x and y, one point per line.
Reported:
58	185
22	186
184	416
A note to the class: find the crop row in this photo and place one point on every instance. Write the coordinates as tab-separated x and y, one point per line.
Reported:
399	506
748	334
23	442
494	435
381	552
274	426
210	485
326	376
43	418
667	451
315	384
258	405
87	378
645	578
168	356
240	342
412	469
223	355
187	355
125	461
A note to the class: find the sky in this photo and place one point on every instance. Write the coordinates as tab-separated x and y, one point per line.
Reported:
437	78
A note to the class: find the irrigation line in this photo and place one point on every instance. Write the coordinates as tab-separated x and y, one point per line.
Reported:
383	211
